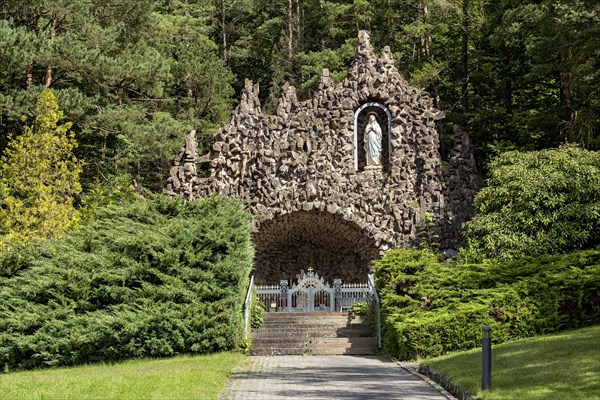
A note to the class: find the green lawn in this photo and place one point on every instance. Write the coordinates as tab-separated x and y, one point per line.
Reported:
561	366
185	377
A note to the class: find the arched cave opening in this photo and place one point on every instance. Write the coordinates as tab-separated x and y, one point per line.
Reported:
332	246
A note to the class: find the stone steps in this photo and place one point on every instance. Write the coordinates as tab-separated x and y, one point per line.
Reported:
343	342
314	334
298	351
287	336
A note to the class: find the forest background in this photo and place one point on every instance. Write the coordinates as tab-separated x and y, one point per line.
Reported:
133	77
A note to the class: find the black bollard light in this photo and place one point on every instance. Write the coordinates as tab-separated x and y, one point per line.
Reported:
486	359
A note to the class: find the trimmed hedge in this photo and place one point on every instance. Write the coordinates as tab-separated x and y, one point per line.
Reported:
431	307
155	278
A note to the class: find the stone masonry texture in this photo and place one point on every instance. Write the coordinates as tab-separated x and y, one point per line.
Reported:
302	172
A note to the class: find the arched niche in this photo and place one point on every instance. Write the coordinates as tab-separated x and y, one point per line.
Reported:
384	118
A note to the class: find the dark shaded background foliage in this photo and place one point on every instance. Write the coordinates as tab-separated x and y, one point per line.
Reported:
154	278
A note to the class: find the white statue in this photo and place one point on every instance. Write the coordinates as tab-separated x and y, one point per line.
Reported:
373	141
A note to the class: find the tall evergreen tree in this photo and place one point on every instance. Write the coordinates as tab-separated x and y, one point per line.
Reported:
39	177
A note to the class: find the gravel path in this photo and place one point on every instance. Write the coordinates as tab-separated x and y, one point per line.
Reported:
325	377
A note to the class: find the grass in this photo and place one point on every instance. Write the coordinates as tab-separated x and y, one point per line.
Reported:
560	366
183	377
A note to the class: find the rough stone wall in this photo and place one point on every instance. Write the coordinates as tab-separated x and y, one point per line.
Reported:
183	176
296	171
461	183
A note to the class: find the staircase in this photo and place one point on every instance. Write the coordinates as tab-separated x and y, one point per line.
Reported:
315	333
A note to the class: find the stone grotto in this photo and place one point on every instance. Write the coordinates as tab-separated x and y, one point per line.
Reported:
336	180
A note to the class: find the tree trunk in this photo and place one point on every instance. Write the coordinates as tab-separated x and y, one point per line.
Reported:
477	89
420	42
426	35
322	31
290	30
389	16
565	86
29	70
508	83
427	52
424	42
465	56
29	74
298	26
224	33
121	91
48	75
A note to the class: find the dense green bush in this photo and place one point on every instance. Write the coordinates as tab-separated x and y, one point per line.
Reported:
257	312
537	203
155	278
360	308
430	307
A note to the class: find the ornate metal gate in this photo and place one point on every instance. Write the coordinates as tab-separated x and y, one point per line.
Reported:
311	293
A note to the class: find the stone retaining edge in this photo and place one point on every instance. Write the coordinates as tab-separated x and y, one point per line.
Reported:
447	387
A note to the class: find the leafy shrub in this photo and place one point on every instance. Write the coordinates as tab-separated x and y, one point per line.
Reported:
360	308
537	203
257	312
430	307
154	278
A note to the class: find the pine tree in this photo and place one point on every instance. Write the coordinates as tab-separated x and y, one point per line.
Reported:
39	177
133	77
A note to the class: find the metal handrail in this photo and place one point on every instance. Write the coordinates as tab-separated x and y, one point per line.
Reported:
373	290
247	306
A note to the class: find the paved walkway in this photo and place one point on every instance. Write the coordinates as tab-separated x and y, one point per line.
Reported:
325	377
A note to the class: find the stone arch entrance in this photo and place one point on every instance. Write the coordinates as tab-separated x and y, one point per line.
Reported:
330	244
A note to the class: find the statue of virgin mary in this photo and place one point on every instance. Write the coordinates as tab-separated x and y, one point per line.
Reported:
372	139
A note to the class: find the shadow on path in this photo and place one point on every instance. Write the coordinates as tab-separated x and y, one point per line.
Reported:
325	377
